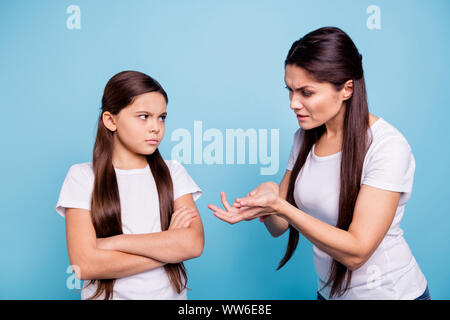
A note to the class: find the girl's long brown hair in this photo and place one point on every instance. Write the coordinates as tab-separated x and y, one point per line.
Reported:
329	55
119	92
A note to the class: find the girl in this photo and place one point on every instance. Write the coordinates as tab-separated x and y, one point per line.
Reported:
131	219
348	179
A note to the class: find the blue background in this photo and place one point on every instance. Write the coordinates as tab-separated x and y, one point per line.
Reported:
221	62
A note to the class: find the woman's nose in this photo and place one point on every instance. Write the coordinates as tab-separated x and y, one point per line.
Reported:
295	103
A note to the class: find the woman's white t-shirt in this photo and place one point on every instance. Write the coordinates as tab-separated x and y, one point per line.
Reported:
391	272
140	214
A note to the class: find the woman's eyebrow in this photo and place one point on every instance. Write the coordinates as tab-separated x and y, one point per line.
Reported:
301	88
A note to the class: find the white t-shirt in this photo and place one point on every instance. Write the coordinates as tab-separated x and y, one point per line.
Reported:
391	272
140	214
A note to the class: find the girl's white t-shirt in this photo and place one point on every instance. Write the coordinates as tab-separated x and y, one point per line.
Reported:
140	214
391	272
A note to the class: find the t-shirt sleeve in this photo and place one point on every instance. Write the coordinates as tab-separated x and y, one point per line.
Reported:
182	182
391	166
76	191
295	149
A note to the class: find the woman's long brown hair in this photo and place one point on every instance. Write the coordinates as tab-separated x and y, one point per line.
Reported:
119	92
329	55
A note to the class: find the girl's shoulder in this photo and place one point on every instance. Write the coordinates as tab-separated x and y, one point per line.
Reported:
172	163
82	170
175	167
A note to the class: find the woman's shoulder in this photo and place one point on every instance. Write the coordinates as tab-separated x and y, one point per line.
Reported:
389	147
384	133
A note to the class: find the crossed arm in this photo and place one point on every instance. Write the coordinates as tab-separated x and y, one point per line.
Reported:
127	254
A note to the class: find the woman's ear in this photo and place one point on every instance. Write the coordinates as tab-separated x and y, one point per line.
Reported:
348	90
109	121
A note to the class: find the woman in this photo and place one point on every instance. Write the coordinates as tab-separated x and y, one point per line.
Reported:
347	181
131	219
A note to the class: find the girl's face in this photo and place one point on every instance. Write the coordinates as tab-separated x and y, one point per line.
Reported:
315	103
140	125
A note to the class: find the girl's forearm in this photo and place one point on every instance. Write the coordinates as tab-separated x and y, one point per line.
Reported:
111	264
338	243
170	246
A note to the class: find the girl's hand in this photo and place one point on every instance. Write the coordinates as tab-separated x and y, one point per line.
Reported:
261	202
182	218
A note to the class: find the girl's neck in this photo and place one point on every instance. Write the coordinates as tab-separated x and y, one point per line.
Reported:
125	159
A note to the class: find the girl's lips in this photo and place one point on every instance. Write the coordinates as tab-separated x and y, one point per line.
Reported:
152	141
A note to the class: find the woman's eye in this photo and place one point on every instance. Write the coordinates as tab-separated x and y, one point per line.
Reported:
143	115
163	118
306	93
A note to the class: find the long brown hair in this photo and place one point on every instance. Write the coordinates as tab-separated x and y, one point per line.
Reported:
119	92
329	55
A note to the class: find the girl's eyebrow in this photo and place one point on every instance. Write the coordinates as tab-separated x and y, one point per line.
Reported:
148	112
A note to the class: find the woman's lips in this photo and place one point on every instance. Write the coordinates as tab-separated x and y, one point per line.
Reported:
301	117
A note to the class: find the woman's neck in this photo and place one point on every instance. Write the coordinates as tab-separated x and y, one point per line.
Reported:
335	126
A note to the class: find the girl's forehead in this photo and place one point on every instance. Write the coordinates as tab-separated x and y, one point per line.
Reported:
153	102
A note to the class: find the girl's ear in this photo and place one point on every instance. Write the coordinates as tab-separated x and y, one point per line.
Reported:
348	90
109	121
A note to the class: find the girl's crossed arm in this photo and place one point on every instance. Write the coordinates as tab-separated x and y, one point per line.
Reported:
91	262
183	240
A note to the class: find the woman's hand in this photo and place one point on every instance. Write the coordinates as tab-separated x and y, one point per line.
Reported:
182	218
261	202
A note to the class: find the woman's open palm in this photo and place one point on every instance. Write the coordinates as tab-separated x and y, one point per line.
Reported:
258	203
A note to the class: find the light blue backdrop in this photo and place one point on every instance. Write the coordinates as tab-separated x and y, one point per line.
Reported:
221	63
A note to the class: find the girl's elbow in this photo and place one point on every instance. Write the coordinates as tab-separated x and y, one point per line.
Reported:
83	267
82	270
196	247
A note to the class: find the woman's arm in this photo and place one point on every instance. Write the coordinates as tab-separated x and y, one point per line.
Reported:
95	263
275	223
373	215
171	246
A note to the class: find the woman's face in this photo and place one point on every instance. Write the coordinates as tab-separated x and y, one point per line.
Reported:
140	122
315	103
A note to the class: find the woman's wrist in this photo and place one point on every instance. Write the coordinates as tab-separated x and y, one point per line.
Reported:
282	208
278	205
